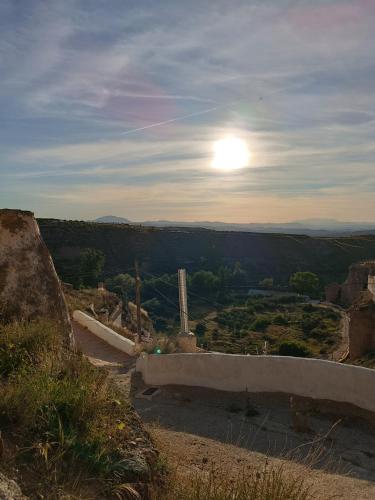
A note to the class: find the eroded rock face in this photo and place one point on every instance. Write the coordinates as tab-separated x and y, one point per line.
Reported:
362	326
29	286
356	282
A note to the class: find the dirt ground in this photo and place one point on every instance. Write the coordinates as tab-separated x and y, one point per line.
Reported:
199	428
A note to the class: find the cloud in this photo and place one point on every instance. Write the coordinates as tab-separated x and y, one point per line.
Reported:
138	92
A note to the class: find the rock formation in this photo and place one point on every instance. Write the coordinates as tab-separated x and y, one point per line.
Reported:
9	489
29	286
362	326
356	282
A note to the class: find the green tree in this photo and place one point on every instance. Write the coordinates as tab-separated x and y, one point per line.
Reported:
239	274
305	283
153	307
123	285
266	283
200	329
91	263
204	281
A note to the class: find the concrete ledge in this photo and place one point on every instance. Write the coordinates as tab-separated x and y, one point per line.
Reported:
111	337
312	378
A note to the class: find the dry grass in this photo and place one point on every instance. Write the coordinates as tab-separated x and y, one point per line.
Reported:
268	482
65	419
160	345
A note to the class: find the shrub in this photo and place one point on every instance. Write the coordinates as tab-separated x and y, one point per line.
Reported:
161	345
215	334
200	329
64	413
292	348
280	319
318	333
260	324
309	322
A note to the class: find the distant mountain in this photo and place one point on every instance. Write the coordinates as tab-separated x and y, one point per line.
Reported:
311	227
112	219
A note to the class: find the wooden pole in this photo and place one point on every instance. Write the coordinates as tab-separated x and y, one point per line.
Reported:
138	300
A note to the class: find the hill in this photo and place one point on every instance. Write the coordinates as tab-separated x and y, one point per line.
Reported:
162	250
112	219
312	227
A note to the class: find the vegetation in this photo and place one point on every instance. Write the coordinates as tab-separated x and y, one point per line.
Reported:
260	483
297	349
165	250
227	319
123	285
287	325
306	283
266	283
65	418
91	263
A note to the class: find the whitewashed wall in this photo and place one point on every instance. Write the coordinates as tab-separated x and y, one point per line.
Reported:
110	336
312	378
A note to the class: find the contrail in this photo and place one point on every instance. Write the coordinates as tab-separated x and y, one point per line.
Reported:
178	118
197	113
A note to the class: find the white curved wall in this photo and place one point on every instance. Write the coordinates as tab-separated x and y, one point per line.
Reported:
313	378
111	337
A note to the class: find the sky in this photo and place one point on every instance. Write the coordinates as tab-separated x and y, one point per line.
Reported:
113	107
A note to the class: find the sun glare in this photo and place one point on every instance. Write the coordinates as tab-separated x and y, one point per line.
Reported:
230	153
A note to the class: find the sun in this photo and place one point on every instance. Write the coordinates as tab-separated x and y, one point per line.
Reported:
230	153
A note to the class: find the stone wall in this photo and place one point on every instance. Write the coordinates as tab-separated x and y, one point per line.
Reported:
362	326
29	286
312	378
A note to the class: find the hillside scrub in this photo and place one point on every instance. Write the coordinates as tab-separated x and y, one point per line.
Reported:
279	320
64	417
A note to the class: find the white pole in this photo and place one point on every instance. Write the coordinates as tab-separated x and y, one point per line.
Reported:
184	318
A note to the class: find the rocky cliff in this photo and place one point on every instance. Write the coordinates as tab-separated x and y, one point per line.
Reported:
356	282
29	286
362	326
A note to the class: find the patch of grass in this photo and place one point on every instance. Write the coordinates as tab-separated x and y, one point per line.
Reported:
261	483
62	413
24	345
